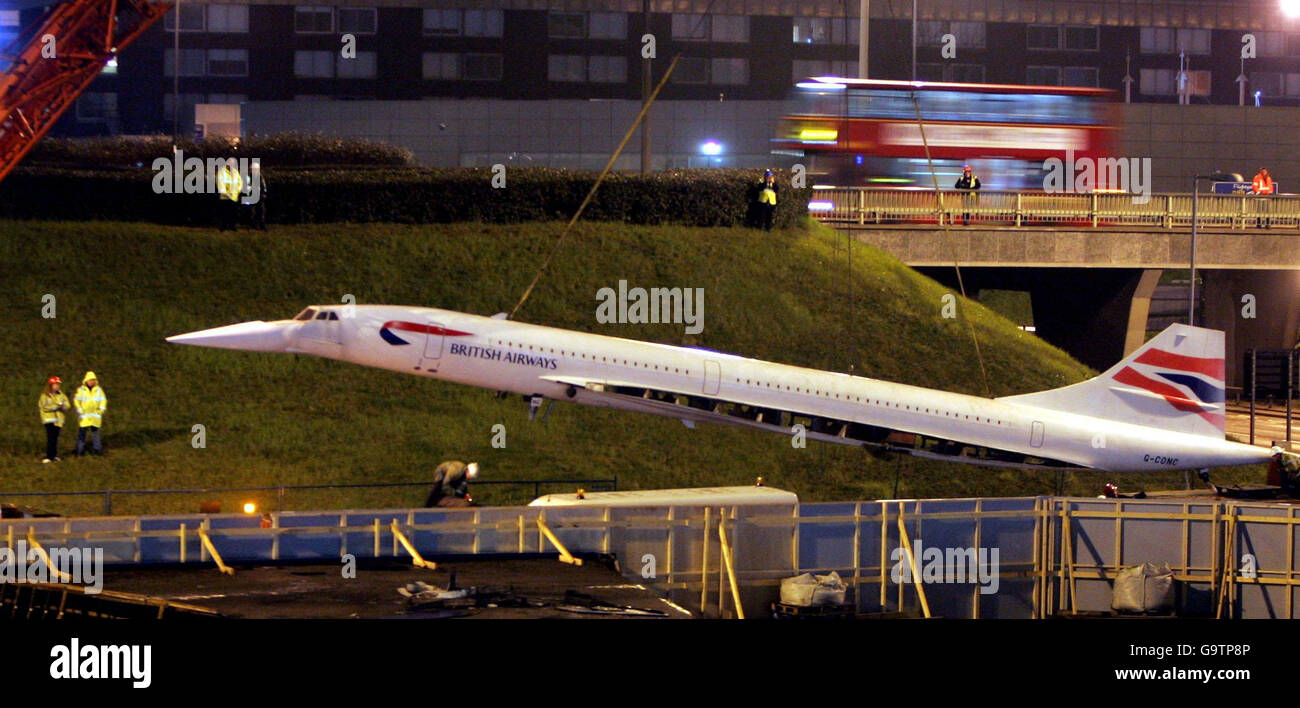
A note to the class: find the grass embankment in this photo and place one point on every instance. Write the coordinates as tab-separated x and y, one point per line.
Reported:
276	419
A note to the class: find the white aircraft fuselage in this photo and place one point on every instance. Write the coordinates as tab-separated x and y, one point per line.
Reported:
1159	409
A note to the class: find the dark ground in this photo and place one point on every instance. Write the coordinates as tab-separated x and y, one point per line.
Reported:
296	591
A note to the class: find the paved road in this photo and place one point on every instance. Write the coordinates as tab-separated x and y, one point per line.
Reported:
1270	424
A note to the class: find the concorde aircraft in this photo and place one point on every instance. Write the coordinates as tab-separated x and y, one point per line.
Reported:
1161	408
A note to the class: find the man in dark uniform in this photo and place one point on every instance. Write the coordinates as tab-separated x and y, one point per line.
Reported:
451	484
969	184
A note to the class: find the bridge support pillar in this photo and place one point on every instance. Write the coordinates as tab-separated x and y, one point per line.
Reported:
1098	316
1256	309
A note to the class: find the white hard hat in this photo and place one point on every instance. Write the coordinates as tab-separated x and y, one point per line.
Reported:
471	470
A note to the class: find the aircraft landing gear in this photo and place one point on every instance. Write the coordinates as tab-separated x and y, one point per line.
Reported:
534	405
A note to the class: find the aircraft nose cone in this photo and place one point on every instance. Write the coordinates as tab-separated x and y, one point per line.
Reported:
246	336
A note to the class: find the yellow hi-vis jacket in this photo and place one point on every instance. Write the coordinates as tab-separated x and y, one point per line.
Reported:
768	195
91	405
229	184
51	406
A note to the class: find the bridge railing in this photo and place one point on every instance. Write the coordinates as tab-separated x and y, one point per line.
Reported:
863	206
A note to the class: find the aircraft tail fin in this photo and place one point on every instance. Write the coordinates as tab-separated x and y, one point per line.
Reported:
1174	382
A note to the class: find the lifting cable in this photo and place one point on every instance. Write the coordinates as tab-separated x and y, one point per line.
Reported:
608	166
947	237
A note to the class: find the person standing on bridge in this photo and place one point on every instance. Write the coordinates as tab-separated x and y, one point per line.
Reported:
1262	185
970	185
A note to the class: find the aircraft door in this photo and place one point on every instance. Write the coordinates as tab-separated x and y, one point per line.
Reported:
712	377
1036	435
433	342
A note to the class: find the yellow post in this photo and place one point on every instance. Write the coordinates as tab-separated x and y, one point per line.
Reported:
376	538
207	543
565	556
45	557
416	559
182	535
1067	557
704	565
731	569
911	560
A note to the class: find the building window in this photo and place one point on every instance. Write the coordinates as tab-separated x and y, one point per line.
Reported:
441	66
691	70
441	21
1166	40
1081	39
1158	40
567	67
825	30
227	62
482	23
362	66
607	70
804	68
968	35
566	25
311	19
227	18
1043	36
1194	41
193	62
471	23
191	15
1085	76
730	28
967	73
1043	75
1164	82
313	64
357	20
481	67
690	27
1292	85
1270	83
608	25
732	72
1270	44
93	106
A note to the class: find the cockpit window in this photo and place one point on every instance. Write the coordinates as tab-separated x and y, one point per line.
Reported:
306	314
323	316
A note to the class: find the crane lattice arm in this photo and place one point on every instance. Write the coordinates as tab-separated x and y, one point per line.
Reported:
53	65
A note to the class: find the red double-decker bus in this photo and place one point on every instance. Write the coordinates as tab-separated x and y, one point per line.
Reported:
859	132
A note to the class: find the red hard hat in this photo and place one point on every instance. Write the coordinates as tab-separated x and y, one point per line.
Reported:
53	380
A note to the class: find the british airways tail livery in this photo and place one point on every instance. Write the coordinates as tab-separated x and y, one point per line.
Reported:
1161	408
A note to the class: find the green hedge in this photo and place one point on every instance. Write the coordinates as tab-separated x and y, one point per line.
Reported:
704	197
281	149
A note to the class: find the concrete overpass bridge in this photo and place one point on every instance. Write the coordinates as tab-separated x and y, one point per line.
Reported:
1092	262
